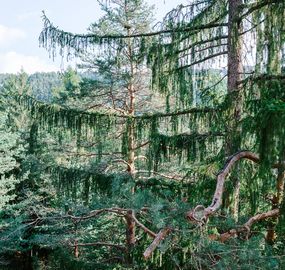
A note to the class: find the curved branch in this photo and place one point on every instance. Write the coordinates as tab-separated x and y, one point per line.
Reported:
49	27
200	213
246	227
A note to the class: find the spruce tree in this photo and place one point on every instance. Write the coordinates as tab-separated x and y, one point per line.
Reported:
193	136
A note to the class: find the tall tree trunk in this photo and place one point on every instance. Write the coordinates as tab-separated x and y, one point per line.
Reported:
131	146
131	225
130	235
274	66
234	52
76	249
235	99
276	201
131	126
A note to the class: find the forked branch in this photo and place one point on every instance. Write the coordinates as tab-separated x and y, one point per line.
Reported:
247	226
200	213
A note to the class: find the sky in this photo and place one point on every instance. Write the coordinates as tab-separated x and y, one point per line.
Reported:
21	24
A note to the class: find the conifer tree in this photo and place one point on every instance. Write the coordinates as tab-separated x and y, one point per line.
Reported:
192	41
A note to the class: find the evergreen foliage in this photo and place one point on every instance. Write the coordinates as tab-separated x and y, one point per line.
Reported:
113	173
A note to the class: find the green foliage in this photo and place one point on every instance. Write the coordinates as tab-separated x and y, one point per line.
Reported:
11	151
67	181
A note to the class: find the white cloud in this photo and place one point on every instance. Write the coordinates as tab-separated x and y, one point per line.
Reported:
12	62
9	34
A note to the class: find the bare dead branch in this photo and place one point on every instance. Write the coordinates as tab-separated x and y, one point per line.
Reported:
172	177
145	229
247	226
159	237
141	145
200	213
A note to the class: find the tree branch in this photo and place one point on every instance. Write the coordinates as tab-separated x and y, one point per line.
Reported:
95	213
30	102
258	5
172	177
246	227
49	27
159	237
99	244
141	145
200	213
203	60
145	229
201	42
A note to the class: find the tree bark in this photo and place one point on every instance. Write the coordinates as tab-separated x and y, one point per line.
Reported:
159	237
276	201
200	213
131	151
131	127
234	92
234	50
246	227
76	249
130	235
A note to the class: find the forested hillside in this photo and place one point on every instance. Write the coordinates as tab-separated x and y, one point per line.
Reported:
164	149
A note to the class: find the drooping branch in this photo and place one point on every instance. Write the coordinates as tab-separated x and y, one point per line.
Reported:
59	36
200	42
263	77
177	113
200	213
203	60
38	107
257	6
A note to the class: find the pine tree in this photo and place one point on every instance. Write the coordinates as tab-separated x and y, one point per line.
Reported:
25	192
195	136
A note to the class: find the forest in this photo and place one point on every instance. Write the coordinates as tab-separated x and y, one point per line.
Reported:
163	149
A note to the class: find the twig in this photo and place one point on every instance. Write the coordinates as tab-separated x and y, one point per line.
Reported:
148	231
99	244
